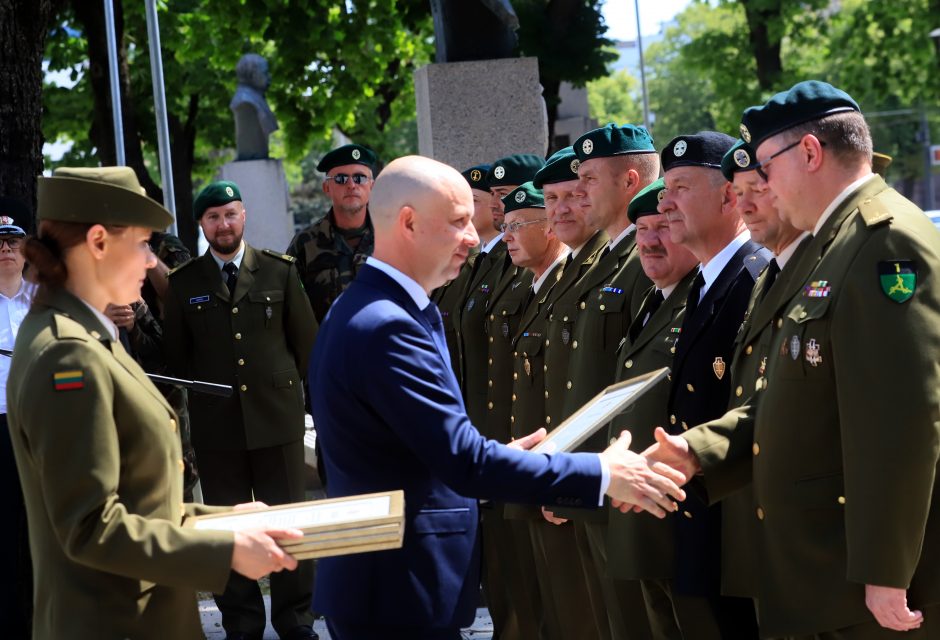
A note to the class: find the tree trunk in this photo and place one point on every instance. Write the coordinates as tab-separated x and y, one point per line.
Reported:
766	51
23	28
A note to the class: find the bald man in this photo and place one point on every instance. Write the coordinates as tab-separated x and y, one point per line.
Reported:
408	429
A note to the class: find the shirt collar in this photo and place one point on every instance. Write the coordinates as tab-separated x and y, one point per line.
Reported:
839	199
715	266
105	321
613	242
492	243
25	292
789	250
237	259
667	291
542	278
415	290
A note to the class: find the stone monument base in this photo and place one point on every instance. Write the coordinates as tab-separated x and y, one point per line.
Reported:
475	112
268	223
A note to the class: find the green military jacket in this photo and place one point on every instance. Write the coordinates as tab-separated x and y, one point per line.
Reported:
469	323
638	546
326	261
843	444
258	341
99	459
449	299
562	312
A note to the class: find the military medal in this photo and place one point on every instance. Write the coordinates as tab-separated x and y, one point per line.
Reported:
795	347
268	312
527	366
470	303
565	335
763	366
718	366
505	328
812	353
817	289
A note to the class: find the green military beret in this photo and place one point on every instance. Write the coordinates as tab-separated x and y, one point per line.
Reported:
805	101
613	140
740	157
645	202
348	154
562	166
702	149
514	170
525	196
14	217
215	194
476	177
100	195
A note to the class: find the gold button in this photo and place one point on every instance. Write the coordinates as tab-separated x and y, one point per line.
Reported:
290	383
180	464
739	391
96	335
779	322
545	367
841	500
489	405
749	350
546	395
515	376
238	336
504	312
492	317
672	349
802	314
241	361
565	319
234	309
569	384
546	342
172	424
603	307
491	360
755	448
760	513
687	514
513	397
685	426
628	364
244	387
490	383
512	419
548	419
574	345
491	338
672	419
515	354
690	388
583	305
267	298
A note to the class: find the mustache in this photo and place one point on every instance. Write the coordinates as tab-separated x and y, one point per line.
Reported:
653	251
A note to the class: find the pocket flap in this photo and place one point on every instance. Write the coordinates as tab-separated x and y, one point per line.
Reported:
266	296
283	379
809	309
442	520
530	345
820	492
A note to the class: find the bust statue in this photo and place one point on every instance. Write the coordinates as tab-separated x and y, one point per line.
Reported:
254	120
473	29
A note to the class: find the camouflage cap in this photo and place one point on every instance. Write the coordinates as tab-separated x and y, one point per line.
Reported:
561	166
645	202
740	157
14	217
525	196
348	154
101	195
514	170
476	176
613	140
803	102
215	194
702	149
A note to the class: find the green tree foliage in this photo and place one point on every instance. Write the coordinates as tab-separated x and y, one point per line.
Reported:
615	98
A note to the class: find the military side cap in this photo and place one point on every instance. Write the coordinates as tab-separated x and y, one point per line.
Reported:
880	162
348	154
805	101
645	202
525	196
613	140
562	166
101	195
476	177
14	217
702	149
514	170
740	157
215	194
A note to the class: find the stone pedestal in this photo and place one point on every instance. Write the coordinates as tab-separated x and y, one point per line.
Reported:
268	224
475	112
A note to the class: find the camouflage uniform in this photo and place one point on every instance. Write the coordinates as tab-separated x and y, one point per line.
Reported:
328	259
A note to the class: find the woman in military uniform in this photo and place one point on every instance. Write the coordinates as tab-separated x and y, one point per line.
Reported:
96	443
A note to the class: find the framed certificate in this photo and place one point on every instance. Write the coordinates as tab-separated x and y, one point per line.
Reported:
590	418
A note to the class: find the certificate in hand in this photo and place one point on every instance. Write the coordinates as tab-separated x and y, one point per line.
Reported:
590	418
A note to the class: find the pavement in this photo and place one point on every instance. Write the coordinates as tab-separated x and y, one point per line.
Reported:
482	628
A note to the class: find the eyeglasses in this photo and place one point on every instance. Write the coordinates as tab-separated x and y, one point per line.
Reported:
343	178
762	166
14	243
512	227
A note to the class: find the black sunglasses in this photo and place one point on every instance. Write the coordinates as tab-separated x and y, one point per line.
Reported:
343	178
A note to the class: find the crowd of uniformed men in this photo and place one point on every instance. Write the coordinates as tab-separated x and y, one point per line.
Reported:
792	294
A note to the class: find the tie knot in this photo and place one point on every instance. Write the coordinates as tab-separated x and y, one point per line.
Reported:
432	314
230	269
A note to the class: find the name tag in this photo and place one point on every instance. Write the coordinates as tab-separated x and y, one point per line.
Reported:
199	299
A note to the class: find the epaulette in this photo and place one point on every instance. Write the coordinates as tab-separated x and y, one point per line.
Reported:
756	262
874	211
282	256
66	328
180	267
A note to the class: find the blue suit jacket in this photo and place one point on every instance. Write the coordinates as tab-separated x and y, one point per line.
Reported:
389	415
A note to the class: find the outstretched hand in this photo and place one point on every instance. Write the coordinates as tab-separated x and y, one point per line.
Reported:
673	451
636	482
889	606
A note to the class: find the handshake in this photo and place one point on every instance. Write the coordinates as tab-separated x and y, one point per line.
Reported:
647	481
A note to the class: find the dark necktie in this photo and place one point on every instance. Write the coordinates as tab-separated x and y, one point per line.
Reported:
231	276
604	252
649	307
773	270
695	293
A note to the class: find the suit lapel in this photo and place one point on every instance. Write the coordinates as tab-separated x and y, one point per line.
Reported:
213	274
665	315
785	287
246	274
532	311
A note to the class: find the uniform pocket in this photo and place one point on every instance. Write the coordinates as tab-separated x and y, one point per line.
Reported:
820	491
442	521
267	307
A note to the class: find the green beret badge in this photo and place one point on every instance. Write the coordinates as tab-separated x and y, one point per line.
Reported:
587	147
742	158
745	134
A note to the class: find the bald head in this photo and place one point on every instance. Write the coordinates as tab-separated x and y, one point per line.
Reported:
422	211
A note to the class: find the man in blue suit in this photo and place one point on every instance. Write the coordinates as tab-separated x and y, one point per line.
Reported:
389	415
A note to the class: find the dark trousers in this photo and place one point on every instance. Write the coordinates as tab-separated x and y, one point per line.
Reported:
274	475
674	616
16	587
346	630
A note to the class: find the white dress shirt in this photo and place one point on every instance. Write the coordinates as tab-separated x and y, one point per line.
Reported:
12	312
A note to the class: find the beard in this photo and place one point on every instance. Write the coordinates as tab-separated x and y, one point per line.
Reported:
226	244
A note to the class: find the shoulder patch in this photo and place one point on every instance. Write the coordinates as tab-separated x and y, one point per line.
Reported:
281	256
874	211
180	267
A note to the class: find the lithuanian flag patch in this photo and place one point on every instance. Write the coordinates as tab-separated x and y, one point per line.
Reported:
68	380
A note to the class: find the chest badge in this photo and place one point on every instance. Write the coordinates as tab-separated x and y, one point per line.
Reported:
718	366
795	347
505	328
565	335
527	366
812	353
763	366
268	312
